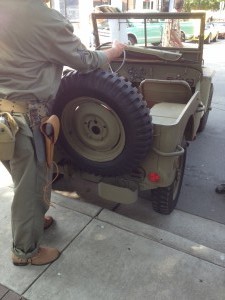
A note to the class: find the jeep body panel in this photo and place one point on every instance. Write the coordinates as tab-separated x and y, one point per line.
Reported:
176	89
170	122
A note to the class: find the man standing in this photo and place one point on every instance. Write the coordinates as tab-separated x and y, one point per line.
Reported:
36	42
172	33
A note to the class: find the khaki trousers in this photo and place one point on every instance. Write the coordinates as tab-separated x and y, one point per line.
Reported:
31	195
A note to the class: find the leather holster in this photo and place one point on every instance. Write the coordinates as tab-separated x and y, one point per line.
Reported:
50	129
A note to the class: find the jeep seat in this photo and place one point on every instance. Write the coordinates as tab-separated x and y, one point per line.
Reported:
172	91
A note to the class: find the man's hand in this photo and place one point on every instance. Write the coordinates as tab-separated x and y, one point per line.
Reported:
118	47
116	50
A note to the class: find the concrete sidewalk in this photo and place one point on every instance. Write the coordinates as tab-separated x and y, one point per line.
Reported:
108	256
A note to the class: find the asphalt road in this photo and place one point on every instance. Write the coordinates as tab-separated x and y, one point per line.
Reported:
206	160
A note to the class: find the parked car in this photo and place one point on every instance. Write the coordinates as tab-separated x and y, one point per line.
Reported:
136	31
211	34
154	31
220	26
187	30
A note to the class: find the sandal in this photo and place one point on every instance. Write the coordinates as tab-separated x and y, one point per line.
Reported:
220	189
48	220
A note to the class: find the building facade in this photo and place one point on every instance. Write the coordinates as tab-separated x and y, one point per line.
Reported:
71	9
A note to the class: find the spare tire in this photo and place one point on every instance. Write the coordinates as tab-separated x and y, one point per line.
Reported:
105	125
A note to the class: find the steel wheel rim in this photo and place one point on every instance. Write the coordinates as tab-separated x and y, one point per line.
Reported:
93	129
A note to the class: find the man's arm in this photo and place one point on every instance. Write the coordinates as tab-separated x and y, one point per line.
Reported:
63	47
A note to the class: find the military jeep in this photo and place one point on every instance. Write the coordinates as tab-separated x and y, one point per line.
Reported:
125	129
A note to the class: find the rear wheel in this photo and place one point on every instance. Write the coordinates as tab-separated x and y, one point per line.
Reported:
132	39
183	36
215	38
165	199
208	39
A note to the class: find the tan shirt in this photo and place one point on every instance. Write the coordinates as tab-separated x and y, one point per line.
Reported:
35	43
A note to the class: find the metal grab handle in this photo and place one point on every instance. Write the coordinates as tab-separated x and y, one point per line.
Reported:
179	152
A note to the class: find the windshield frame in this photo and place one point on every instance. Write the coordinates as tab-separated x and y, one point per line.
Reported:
159	16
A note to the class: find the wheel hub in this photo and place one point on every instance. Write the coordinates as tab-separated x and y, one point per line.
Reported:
93	129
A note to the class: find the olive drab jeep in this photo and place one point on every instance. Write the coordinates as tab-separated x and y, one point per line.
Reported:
125	128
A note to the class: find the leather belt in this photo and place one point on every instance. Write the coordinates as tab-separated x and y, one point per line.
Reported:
13	106
21	107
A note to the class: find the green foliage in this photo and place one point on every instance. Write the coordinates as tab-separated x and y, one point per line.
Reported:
201	5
